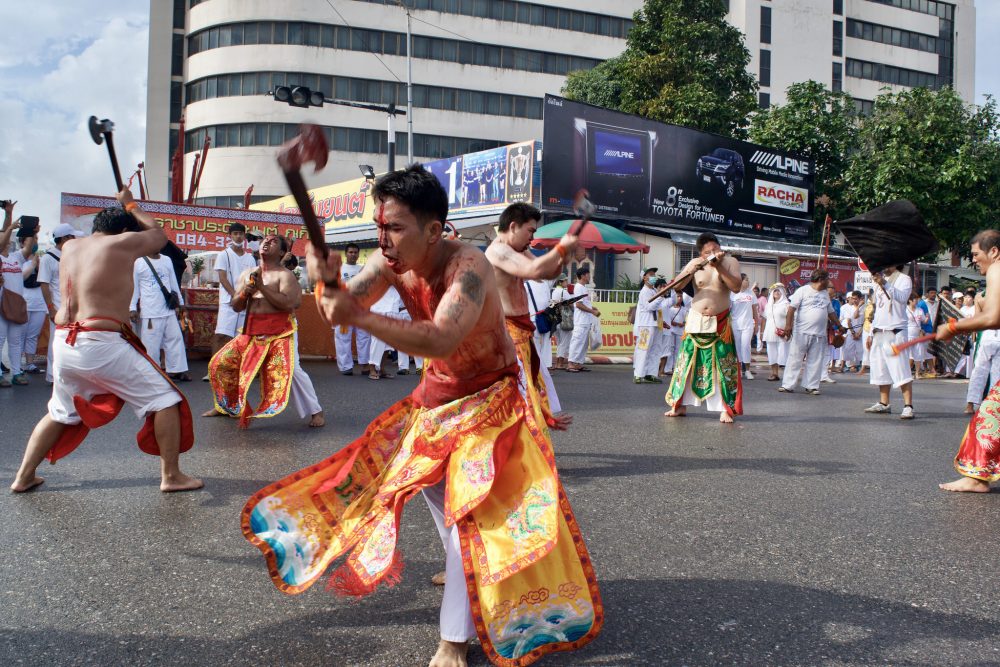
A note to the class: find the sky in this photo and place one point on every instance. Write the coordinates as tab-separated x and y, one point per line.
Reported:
62	62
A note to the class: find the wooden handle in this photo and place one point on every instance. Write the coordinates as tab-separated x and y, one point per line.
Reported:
114	161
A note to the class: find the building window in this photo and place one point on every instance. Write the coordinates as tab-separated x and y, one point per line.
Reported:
352	139
765	67
391	43
906	39
863	107
180	10
899	76
765	25
838	77
942	10
177	55
527	12
838	38
838	7
764	100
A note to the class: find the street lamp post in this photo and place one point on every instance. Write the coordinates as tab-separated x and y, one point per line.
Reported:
300	96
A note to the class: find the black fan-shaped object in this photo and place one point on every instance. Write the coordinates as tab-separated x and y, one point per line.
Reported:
889	235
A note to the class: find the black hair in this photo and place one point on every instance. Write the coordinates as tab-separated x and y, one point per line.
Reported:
819	275
352	245
113	220
705	239
947	287
987	240
416	188
237	227
284	243
519	213
857	294
291	262
582	271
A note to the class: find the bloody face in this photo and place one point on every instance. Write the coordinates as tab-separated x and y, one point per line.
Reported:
271	248
404	242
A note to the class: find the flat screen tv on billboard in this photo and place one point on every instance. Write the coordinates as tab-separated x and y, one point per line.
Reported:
641	170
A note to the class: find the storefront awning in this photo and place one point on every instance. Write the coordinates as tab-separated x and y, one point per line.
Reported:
738	244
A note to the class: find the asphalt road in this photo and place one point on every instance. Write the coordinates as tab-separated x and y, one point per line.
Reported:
808	533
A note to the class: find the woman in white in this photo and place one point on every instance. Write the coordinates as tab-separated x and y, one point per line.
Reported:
389	305
775	314
915	318
564	331
743	316
966	306
13	268
37	309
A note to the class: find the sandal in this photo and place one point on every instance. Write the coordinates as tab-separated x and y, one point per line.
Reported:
773	378
573	370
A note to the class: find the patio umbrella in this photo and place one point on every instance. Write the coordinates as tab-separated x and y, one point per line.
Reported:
888	235
595	235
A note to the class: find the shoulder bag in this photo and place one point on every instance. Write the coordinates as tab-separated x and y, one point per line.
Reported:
172	298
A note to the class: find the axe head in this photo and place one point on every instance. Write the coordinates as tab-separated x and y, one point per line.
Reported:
582	206
309	146
98	128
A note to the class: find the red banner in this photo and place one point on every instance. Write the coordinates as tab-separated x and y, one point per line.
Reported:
796	272
192	228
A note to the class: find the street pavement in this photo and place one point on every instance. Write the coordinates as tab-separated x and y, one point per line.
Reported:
808	533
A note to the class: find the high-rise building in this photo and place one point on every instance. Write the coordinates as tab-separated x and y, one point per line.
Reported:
859	46
480	71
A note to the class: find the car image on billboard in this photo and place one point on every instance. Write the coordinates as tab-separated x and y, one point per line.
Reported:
722	166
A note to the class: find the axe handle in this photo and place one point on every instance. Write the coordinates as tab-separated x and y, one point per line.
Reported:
316	234
114	161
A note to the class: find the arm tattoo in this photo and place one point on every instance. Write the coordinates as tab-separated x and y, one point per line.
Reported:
472	287
361	285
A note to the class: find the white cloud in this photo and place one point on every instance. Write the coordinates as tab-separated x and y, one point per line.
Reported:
987	48
46	146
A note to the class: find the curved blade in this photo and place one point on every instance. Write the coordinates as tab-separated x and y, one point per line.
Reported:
96	127
309	146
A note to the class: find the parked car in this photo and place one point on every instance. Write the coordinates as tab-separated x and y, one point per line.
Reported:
722	166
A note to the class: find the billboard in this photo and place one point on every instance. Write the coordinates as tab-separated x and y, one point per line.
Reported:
342	206
794	273
642	170
192	228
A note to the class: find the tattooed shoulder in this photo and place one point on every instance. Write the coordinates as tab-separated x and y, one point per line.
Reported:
472	286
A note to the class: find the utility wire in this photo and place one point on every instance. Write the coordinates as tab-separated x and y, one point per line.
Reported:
388	69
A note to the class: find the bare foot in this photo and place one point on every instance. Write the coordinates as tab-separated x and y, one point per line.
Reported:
966	485
970	409
211	413
438	579
680	411
561	422
180	482
450	654
317	420
725	418
21	487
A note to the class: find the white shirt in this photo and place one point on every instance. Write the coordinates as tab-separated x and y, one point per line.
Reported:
390	303
932	309
849	317
32	295
914	318
10	266
967	311
645	310
48	272
540	290
234	265
812	309
775	317
741	309
146	292
675	311
890	303
582	316
348	271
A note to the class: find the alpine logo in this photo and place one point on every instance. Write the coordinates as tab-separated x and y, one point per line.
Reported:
765	159
613	153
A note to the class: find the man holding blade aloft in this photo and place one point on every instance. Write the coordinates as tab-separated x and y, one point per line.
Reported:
465	437
707	368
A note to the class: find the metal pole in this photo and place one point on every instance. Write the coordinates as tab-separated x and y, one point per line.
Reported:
409	90
392	142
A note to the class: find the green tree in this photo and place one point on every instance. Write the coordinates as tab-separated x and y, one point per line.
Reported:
937	151
819	124
683	64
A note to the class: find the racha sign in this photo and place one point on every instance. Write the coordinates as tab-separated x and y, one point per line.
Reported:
782	196
765	159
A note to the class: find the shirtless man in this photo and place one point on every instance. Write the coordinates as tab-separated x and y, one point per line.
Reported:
512	265
715	276
978	458
269	294
469	385
92	355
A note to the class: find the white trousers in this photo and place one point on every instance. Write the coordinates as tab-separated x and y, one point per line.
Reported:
713	402
563	339
342	342
48	355
672	344
866	355
13	335
164	333
303	395
36	319
404	361
887	368
456	613
985	371
645	357
741	338
850	352
543	344
813	349
578	346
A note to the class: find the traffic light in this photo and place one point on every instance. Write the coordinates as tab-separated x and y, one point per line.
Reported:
299	96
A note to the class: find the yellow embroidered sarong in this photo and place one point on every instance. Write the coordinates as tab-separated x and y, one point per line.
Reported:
522	333
265	348
530	581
